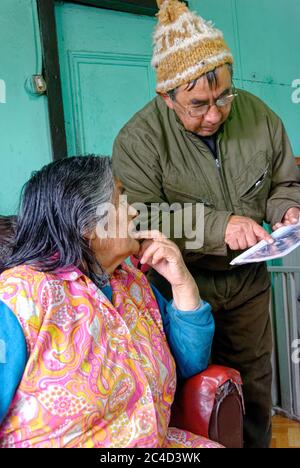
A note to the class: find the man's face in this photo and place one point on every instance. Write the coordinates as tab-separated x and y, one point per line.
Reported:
201	94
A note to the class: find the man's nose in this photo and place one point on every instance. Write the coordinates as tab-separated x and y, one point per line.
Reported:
213	116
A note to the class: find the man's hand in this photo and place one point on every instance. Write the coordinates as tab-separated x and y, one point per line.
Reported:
291	217
242	233
165	257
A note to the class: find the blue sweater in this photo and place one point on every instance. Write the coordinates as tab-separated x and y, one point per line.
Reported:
189	334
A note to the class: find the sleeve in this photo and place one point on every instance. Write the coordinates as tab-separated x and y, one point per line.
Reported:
285	188
137	165
13	357
189	334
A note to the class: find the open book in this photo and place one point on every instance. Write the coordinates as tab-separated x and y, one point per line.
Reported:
286	238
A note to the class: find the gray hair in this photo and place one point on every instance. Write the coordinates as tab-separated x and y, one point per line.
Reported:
58	208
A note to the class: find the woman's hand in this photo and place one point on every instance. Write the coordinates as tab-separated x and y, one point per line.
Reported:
164	256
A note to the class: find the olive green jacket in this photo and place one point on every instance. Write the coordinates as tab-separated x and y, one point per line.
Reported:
255	175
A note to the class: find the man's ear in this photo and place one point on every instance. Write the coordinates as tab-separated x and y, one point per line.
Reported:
167	99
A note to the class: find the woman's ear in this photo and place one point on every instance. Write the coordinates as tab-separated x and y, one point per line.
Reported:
90	236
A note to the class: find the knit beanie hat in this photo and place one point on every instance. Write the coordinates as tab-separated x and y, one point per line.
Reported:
185	46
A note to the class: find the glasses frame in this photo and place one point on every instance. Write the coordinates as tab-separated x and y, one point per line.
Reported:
189	111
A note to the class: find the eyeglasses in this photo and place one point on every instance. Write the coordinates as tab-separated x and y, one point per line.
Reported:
198	111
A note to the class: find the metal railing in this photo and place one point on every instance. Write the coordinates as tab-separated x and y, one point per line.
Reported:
285	315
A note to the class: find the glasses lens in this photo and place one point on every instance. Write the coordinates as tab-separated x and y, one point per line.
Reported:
224	101
202	110
198	111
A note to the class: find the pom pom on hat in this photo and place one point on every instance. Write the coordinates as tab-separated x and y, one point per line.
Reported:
170	10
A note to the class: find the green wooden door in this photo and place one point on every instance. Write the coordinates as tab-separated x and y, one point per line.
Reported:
106	72
264	38
269	62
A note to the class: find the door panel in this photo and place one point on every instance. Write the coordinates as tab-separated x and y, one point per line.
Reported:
269	32
278	97
106	73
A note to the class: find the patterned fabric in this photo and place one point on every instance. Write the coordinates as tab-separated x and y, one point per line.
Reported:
13	357
98	375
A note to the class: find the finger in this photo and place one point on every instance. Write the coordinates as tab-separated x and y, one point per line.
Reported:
277	226
163	241
149	251
234	245
154	235
241	242
294	215
165	254
143	247
159	255
148	235
261	234
250	239
170	252
290	220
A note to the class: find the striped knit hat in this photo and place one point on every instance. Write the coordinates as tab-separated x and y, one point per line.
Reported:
185	46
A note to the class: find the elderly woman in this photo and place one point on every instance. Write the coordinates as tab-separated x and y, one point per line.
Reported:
85	340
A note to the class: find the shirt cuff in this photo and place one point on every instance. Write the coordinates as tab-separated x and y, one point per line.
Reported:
203	311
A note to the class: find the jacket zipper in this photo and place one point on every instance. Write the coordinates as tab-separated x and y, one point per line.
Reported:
224	185
220	172
222	177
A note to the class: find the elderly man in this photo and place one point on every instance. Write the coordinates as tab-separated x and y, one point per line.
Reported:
200	140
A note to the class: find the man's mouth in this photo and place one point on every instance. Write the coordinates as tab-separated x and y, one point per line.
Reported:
209	129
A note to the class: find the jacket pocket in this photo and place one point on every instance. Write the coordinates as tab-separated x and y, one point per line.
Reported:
253	187
176	195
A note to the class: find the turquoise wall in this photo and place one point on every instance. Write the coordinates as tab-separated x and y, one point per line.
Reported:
263	34
25	138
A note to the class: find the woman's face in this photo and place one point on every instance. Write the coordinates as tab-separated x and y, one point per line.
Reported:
113	243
